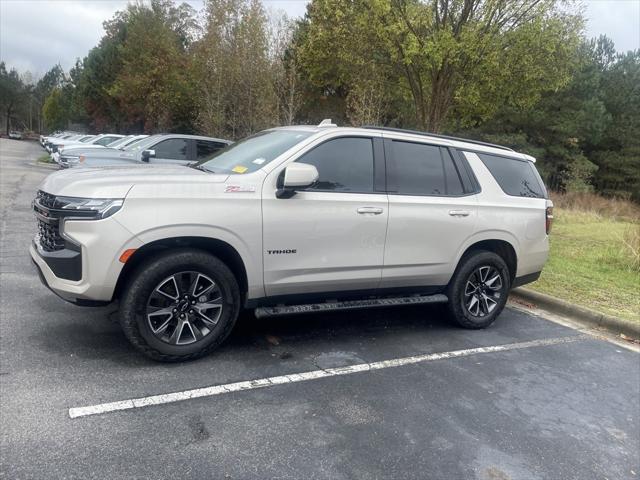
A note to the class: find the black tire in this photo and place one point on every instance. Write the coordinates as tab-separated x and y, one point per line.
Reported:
457	292
143	282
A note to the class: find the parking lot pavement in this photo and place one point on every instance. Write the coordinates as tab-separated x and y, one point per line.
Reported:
526	399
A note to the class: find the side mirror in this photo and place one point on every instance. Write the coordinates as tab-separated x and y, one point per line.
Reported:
297	176
147	154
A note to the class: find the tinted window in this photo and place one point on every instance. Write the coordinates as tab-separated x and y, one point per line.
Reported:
419	169
515	177
451	175
173	149
206	148
344	165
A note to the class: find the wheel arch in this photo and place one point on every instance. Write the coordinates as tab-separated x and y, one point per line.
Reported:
501	247
221	249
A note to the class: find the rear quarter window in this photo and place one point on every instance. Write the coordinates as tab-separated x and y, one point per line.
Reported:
517	178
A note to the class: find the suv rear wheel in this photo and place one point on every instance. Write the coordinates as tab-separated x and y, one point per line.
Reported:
180	305
478	290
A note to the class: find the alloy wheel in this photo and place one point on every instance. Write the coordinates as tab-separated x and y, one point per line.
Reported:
483	291
184	308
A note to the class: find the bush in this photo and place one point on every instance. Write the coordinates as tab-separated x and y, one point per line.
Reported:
591	203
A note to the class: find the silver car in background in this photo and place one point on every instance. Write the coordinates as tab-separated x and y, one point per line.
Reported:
170	148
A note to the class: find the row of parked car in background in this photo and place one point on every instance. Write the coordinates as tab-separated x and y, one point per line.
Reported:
70	149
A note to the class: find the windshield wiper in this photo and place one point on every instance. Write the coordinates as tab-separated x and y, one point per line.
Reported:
200	167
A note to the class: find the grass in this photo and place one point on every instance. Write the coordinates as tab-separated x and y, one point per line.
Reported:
595	255
45	159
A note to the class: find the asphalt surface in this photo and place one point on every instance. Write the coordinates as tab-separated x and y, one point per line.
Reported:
564	411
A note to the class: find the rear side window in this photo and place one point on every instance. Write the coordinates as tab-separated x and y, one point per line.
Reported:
344	165
516	177
424	170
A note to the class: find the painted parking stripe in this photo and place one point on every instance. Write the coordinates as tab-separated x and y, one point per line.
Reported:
306	376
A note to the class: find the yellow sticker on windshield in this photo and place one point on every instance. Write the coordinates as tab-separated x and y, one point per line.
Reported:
239	169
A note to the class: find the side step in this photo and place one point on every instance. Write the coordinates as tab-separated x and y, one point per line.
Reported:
262	312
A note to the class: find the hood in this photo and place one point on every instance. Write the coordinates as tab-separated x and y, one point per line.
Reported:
79	149
116	181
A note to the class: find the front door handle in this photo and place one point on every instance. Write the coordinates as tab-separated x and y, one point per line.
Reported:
369	211
459	213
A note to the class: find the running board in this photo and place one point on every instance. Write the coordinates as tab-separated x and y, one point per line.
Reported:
262	312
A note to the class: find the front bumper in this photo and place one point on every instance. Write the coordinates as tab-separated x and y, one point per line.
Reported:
63	295
65	264
94	265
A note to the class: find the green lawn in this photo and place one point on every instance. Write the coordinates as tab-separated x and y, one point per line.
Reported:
45	159
592	263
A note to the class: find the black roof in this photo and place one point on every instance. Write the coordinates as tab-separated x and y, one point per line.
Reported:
437	135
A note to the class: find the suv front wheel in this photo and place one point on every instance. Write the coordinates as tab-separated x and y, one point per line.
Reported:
180	305
478	290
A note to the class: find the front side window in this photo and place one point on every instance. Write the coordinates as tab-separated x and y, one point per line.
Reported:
515	177
344	165
172	149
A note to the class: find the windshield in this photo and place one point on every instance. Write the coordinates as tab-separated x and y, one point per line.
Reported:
137	146
86	139
132	141
253	152
118	142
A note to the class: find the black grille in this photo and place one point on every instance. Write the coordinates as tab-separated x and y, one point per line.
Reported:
50	238
48	222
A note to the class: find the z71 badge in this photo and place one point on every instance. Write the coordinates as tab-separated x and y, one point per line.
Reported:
239	189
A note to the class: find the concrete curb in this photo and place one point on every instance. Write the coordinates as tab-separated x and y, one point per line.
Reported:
579	314
49	166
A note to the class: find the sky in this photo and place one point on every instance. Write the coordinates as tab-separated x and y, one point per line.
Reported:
37	34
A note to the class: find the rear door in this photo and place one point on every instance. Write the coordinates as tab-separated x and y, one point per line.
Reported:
431	214
329	238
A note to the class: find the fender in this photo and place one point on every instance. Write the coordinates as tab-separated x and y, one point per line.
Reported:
249	258
488	235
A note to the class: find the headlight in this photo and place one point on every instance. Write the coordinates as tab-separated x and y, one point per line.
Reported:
90	208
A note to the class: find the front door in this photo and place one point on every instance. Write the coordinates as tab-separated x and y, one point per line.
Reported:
172	151
329	238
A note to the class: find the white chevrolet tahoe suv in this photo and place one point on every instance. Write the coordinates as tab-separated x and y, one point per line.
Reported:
292	220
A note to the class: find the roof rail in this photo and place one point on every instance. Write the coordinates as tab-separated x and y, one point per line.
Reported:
437	135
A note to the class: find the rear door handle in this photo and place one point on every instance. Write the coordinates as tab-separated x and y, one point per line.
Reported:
370	210
459	213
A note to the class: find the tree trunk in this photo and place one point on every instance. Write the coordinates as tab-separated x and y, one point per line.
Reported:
440	99
9	109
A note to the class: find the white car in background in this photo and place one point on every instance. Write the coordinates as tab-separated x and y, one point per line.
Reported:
54	144
100	140
71	155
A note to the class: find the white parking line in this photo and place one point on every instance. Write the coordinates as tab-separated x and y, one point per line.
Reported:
306	376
